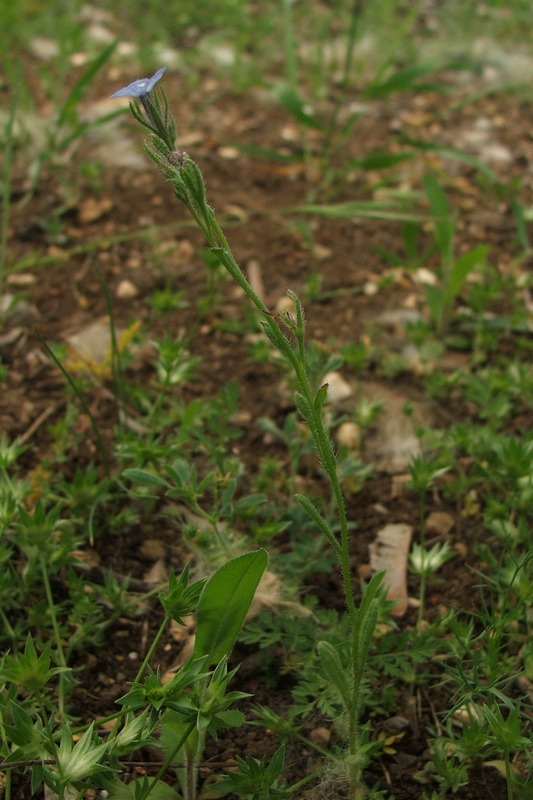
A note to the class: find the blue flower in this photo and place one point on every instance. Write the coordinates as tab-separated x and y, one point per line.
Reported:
141	87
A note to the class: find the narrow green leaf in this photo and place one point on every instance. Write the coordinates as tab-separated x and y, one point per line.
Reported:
379	160
452	152
144	478
367	616
521	224
80	87
295	105
224	604
406	80
251	501
443	222
335	671
436	301
463	267
319	520
321	397
158	790
364	210
266	153
304	408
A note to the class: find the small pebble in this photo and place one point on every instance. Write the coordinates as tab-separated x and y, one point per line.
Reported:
338	388
126	290
349	435
320	735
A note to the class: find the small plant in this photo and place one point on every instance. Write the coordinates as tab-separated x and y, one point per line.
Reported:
424	471
65	762
286	333
424	563
453	271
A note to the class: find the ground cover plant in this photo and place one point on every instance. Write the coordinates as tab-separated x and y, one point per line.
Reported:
266	452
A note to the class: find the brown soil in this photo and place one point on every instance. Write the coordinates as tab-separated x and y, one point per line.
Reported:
64	290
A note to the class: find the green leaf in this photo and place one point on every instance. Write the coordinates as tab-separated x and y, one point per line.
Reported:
304	407
463	267
140	788
24	731
295	105
443	222
335	671
366	620
370	209
144	478
319	520
266	153
80	87
405	80
321	397
436	301
232	718
251	501
378	160
224	603
452	152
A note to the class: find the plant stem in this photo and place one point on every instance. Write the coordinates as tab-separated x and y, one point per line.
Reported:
289	47
6	191
152	648
189	188
355	15
169	759
422	602
57	633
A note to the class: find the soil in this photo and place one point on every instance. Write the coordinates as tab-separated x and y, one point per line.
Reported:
123	228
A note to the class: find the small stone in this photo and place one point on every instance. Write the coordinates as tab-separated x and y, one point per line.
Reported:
92	209
222	54
284	305
99	34
21	280
92	343
440	522
425	276
152	549
338	388
496	152
126	290
398	319
389	552
398	484
229	153
127	50
370	288
255	277
397	724
320	735
44	49
16	313
321	252
349	435
9	339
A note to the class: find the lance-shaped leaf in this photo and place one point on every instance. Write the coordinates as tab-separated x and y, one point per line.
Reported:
224	603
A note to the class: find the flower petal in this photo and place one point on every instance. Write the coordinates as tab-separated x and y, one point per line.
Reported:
155	77
140	87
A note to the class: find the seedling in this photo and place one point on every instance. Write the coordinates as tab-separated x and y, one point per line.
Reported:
424	563
453	270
